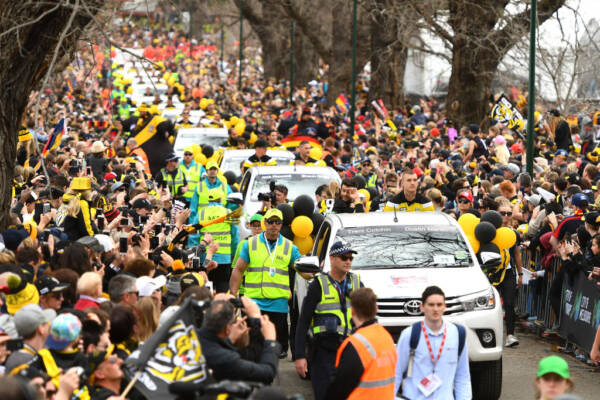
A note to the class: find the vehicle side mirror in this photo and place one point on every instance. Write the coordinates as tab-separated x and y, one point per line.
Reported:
308	264
235	198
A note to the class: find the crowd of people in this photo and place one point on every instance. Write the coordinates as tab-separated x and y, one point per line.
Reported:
110	230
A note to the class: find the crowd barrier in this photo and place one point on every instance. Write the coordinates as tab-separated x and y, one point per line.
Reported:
579	315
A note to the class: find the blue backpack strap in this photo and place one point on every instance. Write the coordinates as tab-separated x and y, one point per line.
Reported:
415	335
462	336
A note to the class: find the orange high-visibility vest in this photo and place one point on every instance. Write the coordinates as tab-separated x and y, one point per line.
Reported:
377	353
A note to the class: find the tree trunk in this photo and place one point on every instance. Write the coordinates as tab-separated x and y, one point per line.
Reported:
23	62
340	66
306	60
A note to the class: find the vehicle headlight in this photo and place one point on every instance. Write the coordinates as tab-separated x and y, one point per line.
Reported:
478	301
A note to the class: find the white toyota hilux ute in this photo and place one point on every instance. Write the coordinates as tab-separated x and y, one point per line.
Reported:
399	255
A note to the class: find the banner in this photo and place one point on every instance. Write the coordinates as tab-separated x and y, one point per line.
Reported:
172	354
580	311
507	114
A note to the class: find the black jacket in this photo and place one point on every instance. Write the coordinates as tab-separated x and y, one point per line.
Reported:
340	206
226	363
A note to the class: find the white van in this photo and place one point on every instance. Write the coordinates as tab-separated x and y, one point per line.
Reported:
399	255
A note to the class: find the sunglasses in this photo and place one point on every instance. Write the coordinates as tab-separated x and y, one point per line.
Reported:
506	213
347	258
187	154
463	201
274	221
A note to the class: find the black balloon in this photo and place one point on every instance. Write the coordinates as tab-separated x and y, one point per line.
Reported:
304	205
492	216
360	180
317	219
208	151
287	233
287	211
485	232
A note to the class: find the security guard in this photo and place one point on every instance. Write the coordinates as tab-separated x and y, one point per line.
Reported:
193	172
221	233
267	257
366	361
212	180
326	312
172	176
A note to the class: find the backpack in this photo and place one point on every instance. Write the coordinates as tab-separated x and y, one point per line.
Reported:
415	336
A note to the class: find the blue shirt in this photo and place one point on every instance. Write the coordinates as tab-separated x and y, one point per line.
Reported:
452	370
274	305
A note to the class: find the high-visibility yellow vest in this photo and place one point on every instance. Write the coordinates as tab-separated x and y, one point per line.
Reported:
192	175
267	274
329	316
173	183
221	231
372	181
202	190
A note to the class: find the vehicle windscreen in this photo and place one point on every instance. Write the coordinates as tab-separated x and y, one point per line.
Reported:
297	184
233	163
407	246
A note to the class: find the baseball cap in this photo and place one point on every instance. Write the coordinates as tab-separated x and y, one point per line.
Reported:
466	195
98	357
212	164
339	248
172	157
64	330
116	186
47	284
146	285
256	217
553	365
106	242
30	316
273	212
534	199
92	243
514	168
191	279
143	203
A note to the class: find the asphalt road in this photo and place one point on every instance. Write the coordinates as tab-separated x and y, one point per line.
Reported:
519	369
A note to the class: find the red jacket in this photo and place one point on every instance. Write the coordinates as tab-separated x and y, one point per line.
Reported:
82	304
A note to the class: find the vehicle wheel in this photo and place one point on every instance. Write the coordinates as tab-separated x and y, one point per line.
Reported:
486	380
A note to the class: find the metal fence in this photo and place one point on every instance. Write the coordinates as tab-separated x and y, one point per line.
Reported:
533	299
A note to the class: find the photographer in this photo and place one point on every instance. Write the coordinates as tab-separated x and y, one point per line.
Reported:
222	356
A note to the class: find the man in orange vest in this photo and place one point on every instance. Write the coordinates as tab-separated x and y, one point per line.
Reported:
366	360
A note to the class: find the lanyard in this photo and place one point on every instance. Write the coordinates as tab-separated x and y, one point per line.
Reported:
434	360
340	288
271	256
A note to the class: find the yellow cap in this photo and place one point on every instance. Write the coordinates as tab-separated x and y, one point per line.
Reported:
212	164
29	295
215	194
273	212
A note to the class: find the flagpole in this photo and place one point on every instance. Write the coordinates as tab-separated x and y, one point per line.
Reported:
531	100
353	100
241	54
131	383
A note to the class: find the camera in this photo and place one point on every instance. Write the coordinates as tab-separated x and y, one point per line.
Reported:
268	196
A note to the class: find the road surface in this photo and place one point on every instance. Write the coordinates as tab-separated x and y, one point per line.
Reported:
519	369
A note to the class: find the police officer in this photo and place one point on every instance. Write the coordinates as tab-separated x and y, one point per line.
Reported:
221	234
326	312
266	258
172	177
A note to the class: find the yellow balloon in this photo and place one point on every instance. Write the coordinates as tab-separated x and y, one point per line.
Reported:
302	226
316	153
304	244
200	158
240	127
234	120
505	238
204	103
262	224
474	243
468	222
253	138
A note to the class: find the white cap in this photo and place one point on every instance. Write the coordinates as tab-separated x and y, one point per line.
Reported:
146	285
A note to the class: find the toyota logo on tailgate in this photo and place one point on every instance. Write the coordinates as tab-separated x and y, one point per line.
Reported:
413	307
